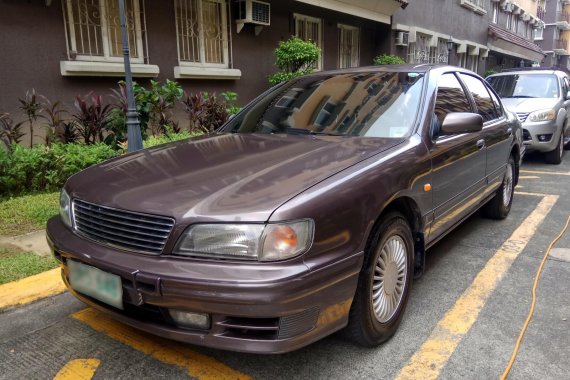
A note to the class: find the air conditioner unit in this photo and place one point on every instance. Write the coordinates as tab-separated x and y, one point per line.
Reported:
253	12
402	38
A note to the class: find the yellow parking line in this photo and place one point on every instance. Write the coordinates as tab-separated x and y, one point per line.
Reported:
432	356
529	177
542	172
32	288
169	352
78	369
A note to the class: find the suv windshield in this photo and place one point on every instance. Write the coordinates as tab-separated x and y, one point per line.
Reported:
525	86
382	104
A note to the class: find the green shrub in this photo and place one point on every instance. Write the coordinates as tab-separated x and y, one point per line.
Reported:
169	137
294	57
388	59
490	72
41	168
154	105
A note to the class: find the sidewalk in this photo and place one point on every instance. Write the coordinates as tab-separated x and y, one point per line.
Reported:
32	288
32	242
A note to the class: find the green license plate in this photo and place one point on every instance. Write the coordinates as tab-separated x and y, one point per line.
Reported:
93	282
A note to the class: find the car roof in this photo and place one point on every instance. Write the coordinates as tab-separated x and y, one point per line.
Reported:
528	72
418	68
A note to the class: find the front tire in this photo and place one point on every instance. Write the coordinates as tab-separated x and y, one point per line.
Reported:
384	283
555	156
500	206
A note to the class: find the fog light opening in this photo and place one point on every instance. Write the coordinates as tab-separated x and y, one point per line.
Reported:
544	138
190	320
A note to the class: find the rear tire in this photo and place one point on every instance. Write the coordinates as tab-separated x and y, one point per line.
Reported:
500	206
384	284
555	156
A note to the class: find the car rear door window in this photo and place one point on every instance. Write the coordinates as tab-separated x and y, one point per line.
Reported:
450	98
483	101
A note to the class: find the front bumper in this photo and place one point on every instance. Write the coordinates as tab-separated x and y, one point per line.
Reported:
531	132
253	307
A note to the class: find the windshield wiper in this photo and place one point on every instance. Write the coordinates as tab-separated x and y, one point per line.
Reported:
521	96
325	133
302	131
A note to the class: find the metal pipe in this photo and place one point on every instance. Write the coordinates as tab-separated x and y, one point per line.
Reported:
134	137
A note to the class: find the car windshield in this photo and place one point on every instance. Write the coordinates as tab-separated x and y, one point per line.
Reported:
381	104
525	86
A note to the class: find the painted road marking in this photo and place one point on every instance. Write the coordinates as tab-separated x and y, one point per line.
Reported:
78	369
32	288
542	172
529	177
166	351
432	356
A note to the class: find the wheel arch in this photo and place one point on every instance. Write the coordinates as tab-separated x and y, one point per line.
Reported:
410	210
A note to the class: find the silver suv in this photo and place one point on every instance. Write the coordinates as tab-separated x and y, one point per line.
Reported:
541	100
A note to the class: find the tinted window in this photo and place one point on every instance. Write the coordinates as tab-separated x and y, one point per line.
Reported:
498	106
525	85
483	101
381	104
450	97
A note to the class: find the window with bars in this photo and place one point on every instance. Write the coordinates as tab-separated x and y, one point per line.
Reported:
93	30
419	51
202	33
496	12
349	46
310	29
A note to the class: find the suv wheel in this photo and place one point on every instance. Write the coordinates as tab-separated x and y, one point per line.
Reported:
500	206
555	156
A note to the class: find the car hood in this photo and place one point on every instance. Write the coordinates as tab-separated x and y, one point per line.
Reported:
528	104
228	177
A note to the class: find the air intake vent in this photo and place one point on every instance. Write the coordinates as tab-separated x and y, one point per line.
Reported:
122	229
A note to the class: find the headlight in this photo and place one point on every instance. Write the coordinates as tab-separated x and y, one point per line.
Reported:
263	242
65	208
542	115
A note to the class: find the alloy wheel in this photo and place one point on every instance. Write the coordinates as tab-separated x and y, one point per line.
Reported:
508	185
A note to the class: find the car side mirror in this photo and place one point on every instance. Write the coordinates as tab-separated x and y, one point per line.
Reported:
567	95
461	122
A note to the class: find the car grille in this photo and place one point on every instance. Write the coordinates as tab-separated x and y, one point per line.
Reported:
522	116
526	135
122	229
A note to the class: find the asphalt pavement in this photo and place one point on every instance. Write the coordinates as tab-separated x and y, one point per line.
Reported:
463	318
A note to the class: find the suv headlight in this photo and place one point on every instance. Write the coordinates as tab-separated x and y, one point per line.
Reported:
542	115
262	242
65	208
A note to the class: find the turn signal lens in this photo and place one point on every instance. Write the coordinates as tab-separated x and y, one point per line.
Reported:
283	241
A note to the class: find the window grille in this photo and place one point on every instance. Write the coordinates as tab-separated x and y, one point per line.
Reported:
419	51
202	33
310	29
93	30
349	46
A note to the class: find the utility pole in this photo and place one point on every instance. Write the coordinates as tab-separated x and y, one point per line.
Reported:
134	137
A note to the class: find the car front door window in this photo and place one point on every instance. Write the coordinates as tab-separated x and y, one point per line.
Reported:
450	98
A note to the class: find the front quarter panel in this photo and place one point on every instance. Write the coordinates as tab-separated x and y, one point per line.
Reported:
346	205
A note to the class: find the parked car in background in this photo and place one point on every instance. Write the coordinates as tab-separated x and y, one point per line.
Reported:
541	100
308	212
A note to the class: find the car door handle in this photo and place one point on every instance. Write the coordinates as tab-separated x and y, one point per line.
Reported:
480	144
510	131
